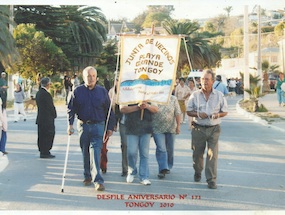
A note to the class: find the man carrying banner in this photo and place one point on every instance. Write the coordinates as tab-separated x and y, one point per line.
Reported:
147	72
138	131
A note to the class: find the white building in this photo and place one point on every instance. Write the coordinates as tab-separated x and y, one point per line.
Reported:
232	67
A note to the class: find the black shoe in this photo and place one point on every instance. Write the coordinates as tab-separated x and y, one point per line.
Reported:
161	175
47	156
124	174
197	177
104	171
212	185
165	171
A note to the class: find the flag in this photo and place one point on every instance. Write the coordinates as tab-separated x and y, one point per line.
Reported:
148	67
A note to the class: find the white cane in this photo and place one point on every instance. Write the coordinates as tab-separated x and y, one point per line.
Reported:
65	164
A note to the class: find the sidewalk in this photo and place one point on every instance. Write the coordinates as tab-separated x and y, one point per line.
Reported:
276	119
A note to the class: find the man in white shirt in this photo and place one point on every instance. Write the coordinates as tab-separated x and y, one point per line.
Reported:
206	106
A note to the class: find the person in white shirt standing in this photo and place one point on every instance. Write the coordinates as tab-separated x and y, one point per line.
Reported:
232	85
182	92
19	103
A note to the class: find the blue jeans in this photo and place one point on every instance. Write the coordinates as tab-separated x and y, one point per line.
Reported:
280	96
138	144
91	141
164	150
3	141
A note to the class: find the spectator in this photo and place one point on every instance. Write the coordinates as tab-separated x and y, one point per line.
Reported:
19	103
3	126
232	85
279	91
182	92
68	87
107	83
3	89
75	81
220	86
45	119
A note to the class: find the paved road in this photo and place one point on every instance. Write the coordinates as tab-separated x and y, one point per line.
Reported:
251	173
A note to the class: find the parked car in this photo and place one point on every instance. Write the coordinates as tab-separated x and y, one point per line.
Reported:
272	79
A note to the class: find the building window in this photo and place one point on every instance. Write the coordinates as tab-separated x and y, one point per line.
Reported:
274	59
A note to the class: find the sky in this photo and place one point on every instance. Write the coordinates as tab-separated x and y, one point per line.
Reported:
187	9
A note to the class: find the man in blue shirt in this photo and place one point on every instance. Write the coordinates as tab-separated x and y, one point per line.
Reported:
219	85
91	104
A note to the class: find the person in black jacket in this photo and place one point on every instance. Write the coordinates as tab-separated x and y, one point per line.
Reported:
45	119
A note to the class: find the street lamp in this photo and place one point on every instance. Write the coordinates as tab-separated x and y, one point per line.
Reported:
246	50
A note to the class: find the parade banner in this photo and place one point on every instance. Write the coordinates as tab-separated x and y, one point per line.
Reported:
148	67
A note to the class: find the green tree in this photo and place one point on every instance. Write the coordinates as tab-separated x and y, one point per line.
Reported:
156	15
79	31
38	53
201	54
209	26
8	51
138	21
279	29
219	22
108	57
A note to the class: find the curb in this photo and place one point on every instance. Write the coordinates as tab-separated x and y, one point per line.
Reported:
255	118
4	162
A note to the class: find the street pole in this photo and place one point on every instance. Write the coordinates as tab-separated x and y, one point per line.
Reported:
10	90
246	49
259	69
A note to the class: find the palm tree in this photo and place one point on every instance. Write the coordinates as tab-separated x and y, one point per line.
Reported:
8	51
228	10
79	31
87	28
200	53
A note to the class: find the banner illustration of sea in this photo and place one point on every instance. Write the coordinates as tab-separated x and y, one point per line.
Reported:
148	67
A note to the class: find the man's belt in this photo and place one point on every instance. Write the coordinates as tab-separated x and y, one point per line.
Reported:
204	126
89	122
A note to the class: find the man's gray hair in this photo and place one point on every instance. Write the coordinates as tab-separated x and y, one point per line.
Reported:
45	81
85	71
210	72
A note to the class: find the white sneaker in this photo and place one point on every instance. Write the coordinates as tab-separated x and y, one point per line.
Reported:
130	178
146	182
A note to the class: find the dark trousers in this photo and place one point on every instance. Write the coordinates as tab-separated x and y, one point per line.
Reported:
46	132
124	148
104	158
202	137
